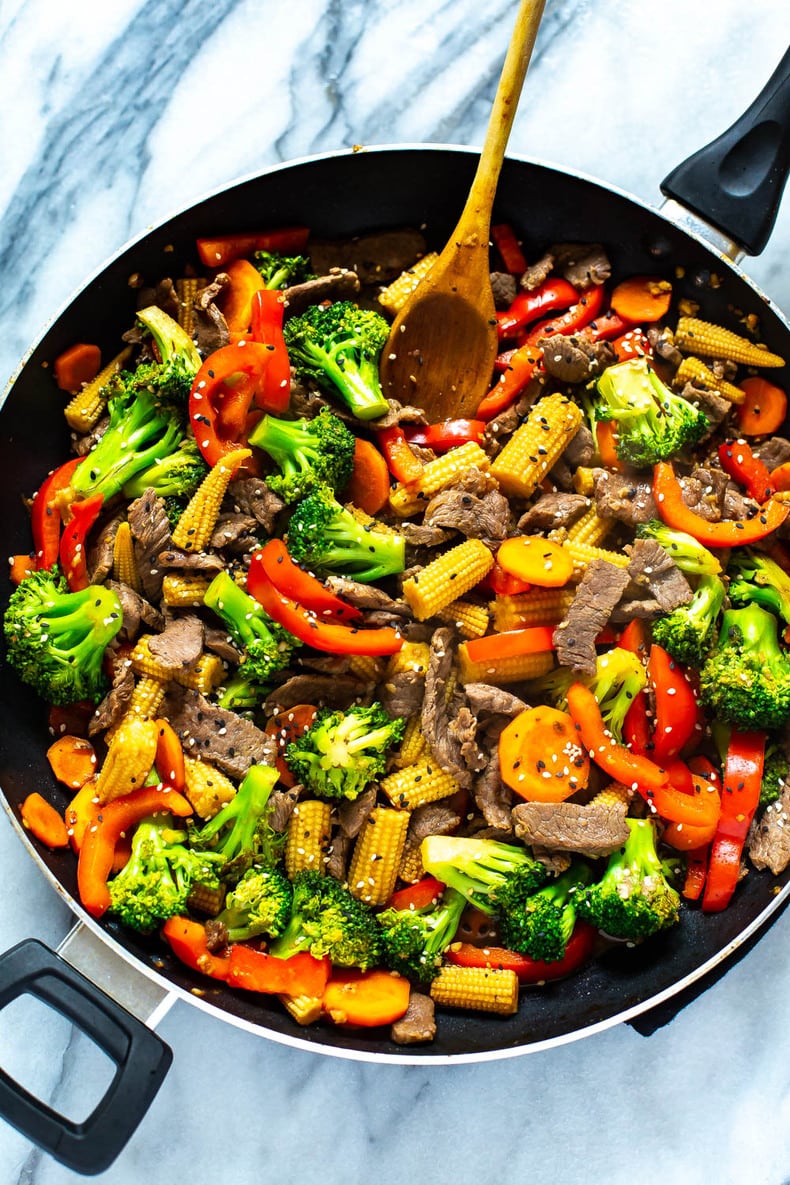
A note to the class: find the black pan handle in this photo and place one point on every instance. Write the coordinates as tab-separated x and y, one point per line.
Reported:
736	182
141	1061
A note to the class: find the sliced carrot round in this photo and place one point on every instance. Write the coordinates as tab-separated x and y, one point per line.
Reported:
642	299
763	410
72	761
536	560
541	757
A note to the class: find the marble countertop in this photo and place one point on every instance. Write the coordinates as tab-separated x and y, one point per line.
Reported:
116	115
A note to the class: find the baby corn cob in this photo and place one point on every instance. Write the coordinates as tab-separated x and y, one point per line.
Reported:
129	759
590	529
471	620
206	674
436	475
484	989
184	590
504	670
84	411
694	370
307	836
196	525
411	868
147	696
417	784
536	445
413	744
124	564
394	296
304	1009
366	667
206	787
714	341
447	578
187	289
544	606
583	554
613	794
377	855
412	656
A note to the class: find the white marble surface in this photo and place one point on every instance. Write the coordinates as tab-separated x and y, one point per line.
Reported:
113	116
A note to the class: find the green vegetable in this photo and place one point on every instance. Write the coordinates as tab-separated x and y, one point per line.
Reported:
653	423
327	920
267	646
343	752
688	632
756	579
176	475
241	833
413	939
282	271
745	680
325	537
775	770
338	346
308	453
485	871
541	924
685	551
259	904
634	899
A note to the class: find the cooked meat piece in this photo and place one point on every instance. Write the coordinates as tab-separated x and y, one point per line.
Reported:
774	451
228	741
281	807
135	609
151	534
714	406
464	730
236	532
477	517
307	402
352	816
216	935
217	641
650	567
434	818
181	643
552	511
575	359
188	561
337	857
338	284
400	413
324	664
591	830
82	444
555	863
338	690
116	702
366	596
417	1023
663	343
701	497
580	449
164	296
536	273
628	499
503	287
422	535
714	483
769	843
100	553
582	264
376	258
251	495
599	591
736	506
211	328
494	799
436	713
402	694
482	697
499	430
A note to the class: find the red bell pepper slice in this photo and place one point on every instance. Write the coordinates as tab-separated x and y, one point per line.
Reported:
402	463
620	763
577	316
506	243
632	344
45	516
675	704
221	394
502	584
607	327
668	494
528	971
737	459
274	390
743	775
696	871
255	971
533	639
447	435
521	368
421	895
218	252
187	940
553	293
73	551
273	564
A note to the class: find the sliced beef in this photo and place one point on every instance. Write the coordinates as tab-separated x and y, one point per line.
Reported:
150	529
482	697
402	694
575	359
591	830
181	643
135	609
83	443
499	430
599	591
736	506
281	807
650	567
582	264
579	451
463	728
337	691
101	553
338	284
477	516
338	854
190	561
116	702
400	413
218	642
417	1023
494	799
626	498
774	451
252	496
536	273
324	664
422	535
211	328
225	740
701	496
434	818
235	532
503	287
714	407
769	843
163	295
367	596
553	511
663	343
436	713
377	258
352	816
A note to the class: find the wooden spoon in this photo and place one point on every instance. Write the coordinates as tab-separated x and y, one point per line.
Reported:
441	350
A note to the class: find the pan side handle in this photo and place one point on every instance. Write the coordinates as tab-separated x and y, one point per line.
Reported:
140	1057
736	182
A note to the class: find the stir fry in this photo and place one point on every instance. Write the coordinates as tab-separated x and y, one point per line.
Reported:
377	715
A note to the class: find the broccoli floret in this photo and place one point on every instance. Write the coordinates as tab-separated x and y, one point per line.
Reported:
242	692
686	552
327	920
267	646
259	904
241	833
157	879
634	899
56	639
618	676
688	632
413	939
308	453
325	537
757	579
540	924
176	476
653	423
343	752
776	767
338	346
745	680
482	869
281	271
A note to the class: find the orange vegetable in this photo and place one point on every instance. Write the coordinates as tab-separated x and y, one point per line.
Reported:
641	299
21	566
365	998
780	478
286	727
219	252
763	410
256	971
72	761
236	299
369	484
80	813
620	763
187	940
686	837
541	757
536	560
169	759
696	871
42	820
533	639
606	440
77	365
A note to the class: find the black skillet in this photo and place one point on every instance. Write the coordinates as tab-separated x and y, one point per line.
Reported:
735	184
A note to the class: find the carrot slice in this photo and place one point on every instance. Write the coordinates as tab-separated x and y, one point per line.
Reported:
169	759
536	560
77	365
236	300
80	813
42	820
21	566
606	442
369	484
764	408
780	478
366	998
286	727
72	761
642	298
540	756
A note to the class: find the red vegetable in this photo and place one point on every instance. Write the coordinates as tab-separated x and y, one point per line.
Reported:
743	775
737	459
221	395
402	463
529	971
532	640
668	494
187	940
620	763
421	895
219	252
675	705
510	383
553	293
577	316
45	515
273	563
507	245
273	393
255	971
73	545
449	434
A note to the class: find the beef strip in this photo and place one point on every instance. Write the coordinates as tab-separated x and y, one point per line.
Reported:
769	842
715	407
280	808
164	296
115	704
663	343
702	497
366	596
181	644
324	664
553	511
463	728
151	534
82	443
536	273
218	642
774	451
402	694
225	740
494	799
575	359
338	690
337	857
424	535
436	713
135	609
377	258
627	498
189	561
499	430
591	830
503	287
400	413
338	284
582	264
579	451
482	697
650	567
417	1023
596	596
251	495
736	506
101	553
486	517
352	816
236	532
434	818
211	328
